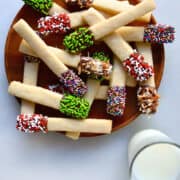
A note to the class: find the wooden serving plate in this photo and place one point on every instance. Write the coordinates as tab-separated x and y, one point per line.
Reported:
14	65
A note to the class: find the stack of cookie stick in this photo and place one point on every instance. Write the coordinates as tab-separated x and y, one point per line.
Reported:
150	33
148	98
116	94
69	60
31	68
68	104
34	122
107	26
131	60
65	75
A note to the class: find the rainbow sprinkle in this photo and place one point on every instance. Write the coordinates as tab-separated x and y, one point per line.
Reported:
159	33
58	23
32	123
73	83
116	100
137	68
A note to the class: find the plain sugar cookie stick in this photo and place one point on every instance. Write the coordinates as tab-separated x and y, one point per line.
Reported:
131	60
148	98
45	6
116	94
67	77
87	65
108	26
114	7
38	123
151	33
30	77
66	104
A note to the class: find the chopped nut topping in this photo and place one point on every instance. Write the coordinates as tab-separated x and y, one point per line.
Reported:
148	99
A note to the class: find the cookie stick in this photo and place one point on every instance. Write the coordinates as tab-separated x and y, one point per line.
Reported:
131	60
106	27
67	104
83	64
148	98
38	123
30	77
116	94
114	7
151	33
65	75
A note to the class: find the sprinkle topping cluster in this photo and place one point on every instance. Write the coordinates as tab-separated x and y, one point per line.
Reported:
79	3
74	106
148	99
42	6
159	33
32	123
137	68
116	101
31	59
95	67
73	83
58	23
78	40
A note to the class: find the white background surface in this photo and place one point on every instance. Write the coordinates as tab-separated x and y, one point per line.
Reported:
52	156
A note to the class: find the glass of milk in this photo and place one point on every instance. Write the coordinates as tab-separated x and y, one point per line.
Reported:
153	156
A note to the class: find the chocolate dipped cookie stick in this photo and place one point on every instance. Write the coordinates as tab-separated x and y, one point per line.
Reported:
148	98
116	94
38	123
67	104
66	76
151	33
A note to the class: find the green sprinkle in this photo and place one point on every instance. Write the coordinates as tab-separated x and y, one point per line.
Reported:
42	6
74	106
79	40
102	57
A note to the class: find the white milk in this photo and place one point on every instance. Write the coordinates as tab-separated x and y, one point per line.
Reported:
157	162
153	156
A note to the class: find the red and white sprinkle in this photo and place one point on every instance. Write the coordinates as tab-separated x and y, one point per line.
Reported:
32	123
137	68
58	23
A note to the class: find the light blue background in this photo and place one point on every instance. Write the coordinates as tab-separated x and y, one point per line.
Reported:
52	156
